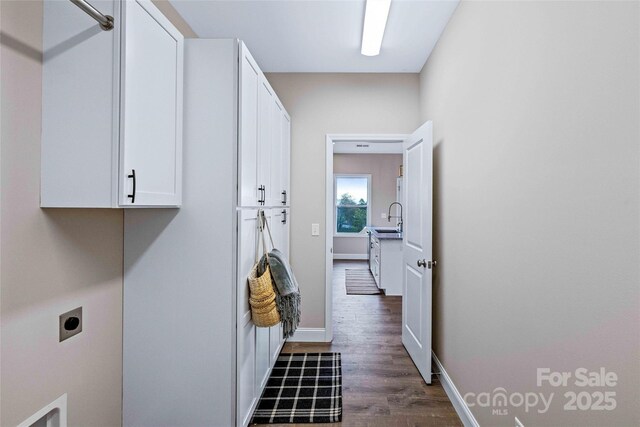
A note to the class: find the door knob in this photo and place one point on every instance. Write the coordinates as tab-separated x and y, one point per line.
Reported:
432	264
422	263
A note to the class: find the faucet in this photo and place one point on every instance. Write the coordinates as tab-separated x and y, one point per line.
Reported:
389	216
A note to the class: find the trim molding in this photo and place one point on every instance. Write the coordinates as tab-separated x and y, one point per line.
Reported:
344	140
350	256
309	335
461	407
58	418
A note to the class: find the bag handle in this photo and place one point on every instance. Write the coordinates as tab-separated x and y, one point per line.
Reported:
262	222
266	223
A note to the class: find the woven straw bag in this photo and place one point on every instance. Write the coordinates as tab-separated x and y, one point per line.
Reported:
264	312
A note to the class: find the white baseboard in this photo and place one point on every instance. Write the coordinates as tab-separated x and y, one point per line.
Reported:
308	335
350	256
455	397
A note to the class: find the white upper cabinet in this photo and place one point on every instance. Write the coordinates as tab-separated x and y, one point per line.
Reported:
276	166
264	135
249	83
112	107
280	155
286	159
151	117
265	142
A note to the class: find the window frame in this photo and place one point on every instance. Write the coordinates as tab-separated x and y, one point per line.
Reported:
335	205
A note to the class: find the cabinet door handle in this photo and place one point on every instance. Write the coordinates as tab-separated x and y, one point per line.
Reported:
132	196
284	197
284	217
262	195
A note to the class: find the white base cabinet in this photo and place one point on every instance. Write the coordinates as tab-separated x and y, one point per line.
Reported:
192	356
259	347
385	263
111	107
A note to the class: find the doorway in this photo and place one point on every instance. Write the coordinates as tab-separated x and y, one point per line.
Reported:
346	243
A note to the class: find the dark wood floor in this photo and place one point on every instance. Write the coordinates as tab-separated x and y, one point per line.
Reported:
381	385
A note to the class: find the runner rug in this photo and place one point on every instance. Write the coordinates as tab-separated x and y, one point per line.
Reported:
360	282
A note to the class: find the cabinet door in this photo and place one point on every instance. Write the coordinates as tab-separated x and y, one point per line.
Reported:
151	108
246	343
276	166
286	158
263	359
275	342
285	232
80	104
276	230
263	354
249	83
265	137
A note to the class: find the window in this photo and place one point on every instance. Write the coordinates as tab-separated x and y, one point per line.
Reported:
352	195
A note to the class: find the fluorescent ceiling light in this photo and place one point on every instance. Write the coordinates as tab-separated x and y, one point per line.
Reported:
375	19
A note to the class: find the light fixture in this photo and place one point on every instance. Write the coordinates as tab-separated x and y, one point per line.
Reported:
375	19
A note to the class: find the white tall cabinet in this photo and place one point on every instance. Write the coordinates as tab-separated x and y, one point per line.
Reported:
192	356
264	139
111	107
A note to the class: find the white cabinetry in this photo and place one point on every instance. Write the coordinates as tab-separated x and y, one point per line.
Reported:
281	229
385	263
265	141
249	84
112	108
258	348
264	134
191	354
374	262
286	160
247	378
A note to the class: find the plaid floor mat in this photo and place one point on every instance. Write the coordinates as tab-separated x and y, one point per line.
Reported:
303	388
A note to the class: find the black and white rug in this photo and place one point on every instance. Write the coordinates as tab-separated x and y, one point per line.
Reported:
303	388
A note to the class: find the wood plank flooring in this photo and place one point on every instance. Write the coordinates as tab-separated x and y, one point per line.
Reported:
381	385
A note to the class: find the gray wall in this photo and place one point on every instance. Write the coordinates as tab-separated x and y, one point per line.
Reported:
383	169
176	19
332	103
53	260
535	108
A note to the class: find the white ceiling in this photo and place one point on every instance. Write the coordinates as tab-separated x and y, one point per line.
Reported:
321	35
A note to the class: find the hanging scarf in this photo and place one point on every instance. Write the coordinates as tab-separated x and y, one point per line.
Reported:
288	293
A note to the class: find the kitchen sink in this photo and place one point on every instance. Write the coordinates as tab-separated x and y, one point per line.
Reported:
385	230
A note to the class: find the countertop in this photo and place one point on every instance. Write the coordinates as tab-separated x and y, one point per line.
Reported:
384	236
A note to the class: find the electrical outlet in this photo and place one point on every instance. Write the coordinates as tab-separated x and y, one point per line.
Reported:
315	229
70	323
519	423
383	215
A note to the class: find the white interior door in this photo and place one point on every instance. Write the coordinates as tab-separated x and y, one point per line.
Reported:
416	245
